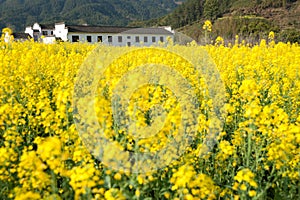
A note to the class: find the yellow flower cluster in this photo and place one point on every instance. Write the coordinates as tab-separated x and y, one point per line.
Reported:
190	185
219	41
256	155
207	26
245	179
271	35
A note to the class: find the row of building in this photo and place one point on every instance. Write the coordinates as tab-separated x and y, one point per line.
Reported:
110	35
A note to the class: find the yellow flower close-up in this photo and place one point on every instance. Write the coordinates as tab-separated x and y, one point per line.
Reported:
254	154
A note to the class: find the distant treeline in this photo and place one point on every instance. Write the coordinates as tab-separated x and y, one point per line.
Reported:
18	13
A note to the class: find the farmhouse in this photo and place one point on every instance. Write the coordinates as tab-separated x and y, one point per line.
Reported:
111	35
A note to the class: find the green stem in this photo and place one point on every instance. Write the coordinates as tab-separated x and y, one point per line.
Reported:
249	149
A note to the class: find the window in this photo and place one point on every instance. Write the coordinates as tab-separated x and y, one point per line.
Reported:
109	38
128	37
45	32
100	38
137	39
153	39
161	39
89	38
51	32
75	38
120	38
145	39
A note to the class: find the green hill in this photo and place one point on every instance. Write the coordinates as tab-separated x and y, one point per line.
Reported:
250	19
19	13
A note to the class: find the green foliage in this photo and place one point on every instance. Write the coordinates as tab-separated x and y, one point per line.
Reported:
211	9
248	26
94	12
290	35
243	17
244	4
188	12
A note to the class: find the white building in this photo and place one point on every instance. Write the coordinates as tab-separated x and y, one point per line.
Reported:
111	35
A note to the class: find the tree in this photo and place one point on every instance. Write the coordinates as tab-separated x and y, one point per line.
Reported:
211	9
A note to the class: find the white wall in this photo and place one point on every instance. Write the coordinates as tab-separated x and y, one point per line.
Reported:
127	39
49	40
61	31
36	26
29	30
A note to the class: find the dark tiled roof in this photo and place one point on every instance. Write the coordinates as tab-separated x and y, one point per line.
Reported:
59	23
47	26
21	36
97	29
154	31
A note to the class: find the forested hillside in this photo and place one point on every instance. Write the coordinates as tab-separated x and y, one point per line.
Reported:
248	18
193	10
19	13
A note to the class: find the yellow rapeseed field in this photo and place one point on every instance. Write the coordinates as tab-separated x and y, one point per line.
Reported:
256	155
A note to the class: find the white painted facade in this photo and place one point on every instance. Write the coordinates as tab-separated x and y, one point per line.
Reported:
61	31
131	37
119	39
29	30
49	40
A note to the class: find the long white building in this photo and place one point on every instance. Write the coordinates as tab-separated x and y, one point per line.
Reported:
111	35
